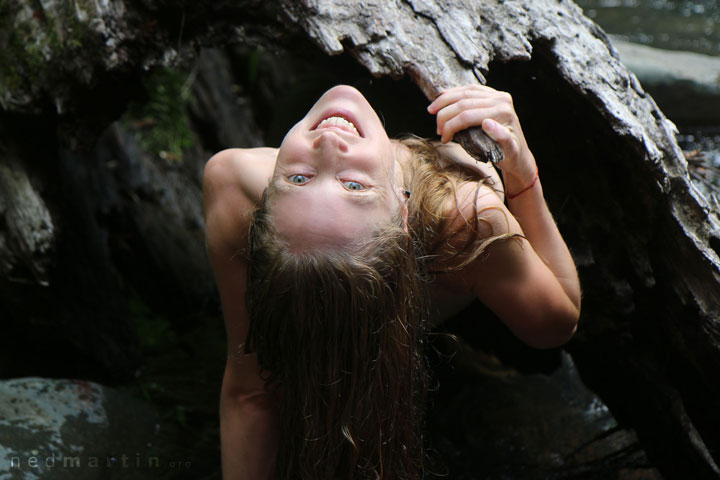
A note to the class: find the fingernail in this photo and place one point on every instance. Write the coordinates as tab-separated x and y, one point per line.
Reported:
488	127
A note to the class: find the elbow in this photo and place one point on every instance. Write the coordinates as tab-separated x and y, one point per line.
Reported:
552	328
250	394
560	337
260	401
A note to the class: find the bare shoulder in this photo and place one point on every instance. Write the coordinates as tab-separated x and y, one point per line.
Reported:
481	200
477	214
247	169
233	183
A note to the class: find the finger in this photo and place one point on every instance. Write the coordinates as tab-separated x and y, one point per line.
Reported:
455	94
456	108
452	96
502	136
470	86
472	117
469	118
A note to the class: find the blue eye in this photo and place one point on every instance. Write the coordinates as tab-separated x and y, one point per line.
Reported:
298	179
350	185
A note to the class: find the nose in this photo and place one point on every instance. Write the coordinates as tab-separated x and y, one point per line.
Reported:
330	141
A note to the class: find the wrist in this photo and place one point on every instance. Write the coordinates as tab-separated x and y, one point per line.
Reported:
521	187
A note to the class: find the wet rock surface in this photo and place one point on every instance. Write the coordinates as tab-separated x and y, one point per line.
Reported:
686	85
506	411
73	429
531	426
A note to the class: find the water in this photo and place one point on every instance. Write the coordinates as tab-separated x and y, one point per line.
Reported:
702	150
691	25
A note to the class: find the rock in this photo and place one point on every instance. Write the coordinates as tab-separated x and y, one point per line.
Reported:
225	115
685	85
60	296
493	421
125	221
27	232
155	204
74	429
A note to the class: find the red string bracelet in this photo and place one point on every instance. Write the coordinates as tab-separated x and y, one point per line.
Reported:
537	174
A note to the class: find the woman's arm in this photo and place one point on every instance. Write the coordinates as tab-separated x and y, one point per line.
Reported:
248	427
530	283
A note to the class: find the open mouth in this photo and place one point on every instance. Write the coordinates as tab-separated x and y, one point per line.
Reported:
338	122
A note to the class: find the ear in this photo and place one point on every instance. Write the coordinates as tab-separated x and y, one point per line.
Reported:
403	197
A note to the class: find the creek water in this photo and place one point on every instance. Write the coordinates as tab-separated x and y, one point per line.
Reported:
702	147
688	25
692	25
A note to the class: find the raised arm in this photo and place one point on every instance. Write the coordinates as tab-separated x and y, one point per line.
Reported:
247	412
531	283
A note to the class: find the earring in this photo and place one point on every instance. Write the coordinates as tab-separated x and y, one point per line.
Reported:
406	193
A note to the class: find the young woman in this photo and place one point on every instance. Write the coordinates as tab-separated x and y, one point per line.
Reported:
332	255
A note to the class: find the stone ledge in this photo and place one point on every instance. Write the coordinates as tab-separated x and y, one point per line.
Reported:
685	85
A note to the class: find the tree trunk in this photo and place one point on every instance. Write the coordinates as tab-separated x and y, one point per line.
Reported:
646	243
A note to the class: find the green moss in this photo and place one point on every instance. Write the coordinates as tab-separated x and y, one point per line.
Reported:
161	123
74	32
37	46
14	60
153	330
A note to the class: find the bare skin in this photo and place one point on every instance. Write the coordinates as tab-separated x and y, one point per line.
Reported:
327	176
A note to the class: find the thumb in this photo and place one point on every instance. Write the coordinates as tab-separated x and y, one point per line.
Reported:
501	135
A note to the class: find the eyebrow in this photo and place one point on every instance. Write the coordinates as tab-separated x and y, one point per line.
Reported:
371	197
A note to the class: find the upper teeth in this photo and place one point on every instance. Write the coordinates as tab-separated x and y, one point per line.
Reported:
339	121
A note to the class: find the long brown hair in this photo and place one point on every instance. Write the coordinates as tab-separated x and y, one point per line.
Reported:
339	333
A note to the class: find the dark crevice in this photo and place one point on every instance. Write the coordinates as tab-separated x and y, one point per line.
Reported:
715	244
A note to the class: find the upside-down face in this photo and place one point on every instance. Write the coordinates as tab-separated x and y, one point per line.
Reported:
335	179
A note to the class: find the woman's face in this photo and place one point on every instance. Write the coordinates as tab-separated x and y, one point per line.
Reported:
334	179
